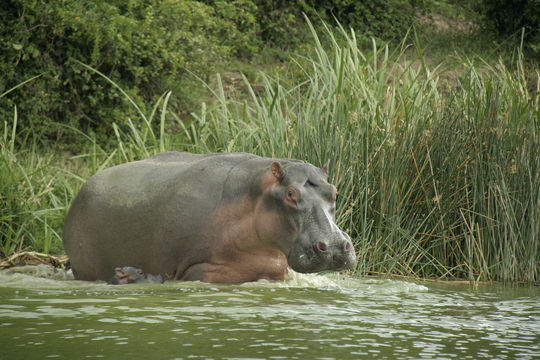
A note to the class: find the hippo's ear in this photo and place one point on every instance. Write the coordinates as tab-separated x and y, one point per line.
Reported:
277	170
325	167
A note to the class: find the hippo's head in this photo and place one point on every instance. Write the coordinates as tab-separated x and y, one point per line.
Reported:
307	204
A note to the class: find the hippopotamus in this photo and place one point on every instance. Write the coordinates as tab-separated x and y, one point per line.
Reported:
223	218
133	275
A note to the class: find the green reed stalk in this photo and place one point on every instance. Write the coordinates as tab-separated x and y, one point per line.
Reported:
436	179
29	204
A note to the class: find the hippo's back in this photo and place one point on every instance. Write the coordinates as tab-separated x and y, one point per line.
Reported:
150	213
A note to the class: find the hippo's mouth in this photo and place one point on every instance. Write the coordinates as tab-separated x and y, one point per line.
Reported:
304	263
319	257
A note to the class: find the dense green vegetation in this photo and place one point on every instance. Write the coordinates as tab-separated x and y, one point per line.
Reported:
511	18
147	46
437	163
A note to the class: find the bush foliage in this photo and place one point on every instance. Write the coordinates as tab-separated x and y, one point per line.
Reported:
147	47
508	18
388	20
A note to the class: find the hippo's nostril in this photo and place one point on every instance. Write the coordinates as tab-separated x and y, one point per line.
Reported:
321	246
347	246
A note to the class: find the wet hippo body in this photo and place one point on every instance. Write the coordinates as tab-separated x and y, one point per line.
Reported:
230	217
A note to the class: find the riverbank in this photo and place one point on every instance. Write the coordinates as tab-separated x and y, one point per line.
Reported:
61	262
24	258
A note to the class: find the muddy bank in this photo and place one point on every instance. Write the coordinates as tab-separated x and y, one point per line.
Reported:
34	258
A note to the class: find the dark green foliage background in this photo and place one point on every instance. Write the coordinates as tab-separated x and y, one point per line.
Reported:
508	17
388	20
147	47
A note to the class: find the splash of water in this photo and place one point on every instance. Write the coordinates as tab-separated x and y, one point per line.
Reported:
45	276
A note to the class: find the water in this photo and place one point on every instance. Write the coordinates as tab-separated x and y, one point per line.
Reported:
46	315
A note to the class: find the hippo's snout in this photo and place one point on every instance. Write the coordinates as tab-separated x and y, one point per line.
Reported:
332	253
338	252
342	244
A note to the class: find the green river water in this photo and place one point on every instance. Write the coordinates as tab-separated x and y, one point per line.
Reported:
44	314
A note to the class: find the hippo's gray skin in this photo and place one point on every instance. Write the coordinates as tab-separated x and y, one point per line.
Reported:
133	275
230	217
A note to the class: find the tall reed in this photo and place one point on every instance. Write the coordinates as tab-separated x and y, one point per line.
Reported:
437	178
31	203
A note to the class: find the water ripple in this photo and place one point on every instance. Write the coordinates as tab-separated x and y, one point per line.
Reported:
306	316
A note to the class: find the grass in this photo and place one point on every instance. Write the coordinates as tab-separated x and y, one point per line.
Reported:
436	178
30	206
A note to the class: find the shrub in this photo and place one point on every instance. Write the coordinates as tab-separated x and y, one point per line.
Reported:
146	46
387	20
508	18
281	21
240	28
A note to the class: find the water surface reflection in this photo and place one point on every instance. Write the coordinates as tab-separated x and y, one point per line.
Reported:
47	315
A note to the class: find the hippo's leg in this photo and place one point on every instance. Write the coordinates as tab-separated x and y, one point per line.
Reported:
193	273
